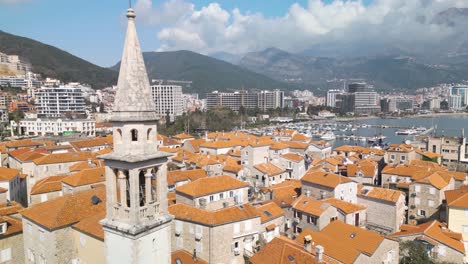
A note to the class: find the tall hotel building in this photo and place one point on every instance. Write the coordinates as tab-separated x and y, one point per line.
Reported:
168	98
263	100
57	101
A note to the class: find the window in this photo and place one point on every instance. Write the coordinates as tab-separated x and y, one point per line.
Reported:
211	198
465	229
5	255
392	157
148	135
231	193
221	196
134	133
432	190
417	188
422	213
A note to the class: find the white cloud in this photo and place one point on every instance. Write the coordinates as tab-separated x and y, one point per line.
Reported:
401	23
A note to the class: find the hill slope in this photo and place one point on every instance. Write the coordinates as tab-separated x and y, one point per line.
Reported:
208	74
384	71
52	62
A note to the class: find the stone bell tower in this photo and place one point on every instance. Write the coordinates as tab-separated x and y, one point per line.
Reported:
137	224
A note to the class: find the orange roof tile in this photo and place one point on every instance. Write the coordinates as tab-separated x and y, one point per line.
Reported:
7	174
64	158
344	242
84	165
91	226
86	177
14	226
278	146
438	180
269	212
435	230
310	206
178	175
181	256
380	193
366	167
293	157
295	144
269	169
89	143
300	137
24	143
282	250
10	208
344	206
27	154
47	185
210	185
183	136
213	218
66	210
457	198
324	178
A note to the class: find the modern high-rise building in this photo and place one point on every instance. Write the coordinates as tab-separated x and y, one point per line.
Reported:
360	99
331	97
462	91
263	100
58	101
168	99
455	102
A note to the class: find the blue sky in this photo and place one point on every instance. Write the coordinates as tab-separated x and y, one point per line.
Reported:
94	29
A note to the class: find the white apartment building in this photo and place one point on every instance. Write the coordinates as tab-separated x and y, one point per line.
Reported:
455	102
56	127
331	97
168	98
57	101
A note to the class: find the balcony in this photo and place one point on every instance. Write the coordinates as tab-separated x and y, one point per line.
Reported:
297	220
148	211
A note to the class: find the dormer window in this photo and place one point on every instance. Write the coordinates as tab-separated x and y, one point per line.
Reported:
397	149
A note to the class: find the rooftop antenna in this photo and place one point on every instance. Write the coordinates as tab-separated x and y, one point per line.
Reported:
129	3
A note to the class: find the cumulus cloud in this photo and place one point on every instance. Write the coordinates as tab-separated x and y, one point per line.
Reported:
401	24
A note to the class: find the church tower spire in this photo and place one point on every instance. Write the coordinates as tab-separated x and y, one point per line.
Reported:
137	224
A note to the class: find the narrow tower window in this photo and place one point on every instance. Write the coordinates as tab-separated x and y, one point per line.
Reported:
134	134
149	135
119	135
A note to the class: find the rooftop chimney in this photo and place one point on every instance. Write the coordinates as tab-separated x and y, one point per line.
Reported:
319	253
308	243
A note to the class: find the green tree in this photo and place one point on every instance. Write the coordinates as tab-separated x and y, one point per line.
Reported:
412	252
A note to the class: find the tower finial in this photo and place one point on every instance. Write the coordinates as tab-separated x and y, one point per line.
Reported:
129	3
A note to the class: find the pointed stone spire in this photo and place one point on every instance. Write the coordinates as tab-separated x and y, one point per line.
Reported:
133	99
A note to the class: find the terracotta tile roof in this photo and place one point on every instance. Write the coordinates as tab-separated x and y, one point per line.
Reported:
7	174
428	164
344	242
310	206
188	175
366	167
270	227
84	165
438	179
91	226
183	136
24	143
64	158
282	250
380	193
210	185
300	137
213	218
14	226
103	151
293	157
414	172
27	154
326	179
295	144
428	154
66	210
457	198
218	144
401	148
89	143
58	147
269	169
321	144
48	185
86	177
231	167
102	125
344	206
181	256
269	212
3	148
171	198
278	146
361	150
10	209
286	192
434	230
234	152
195	143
